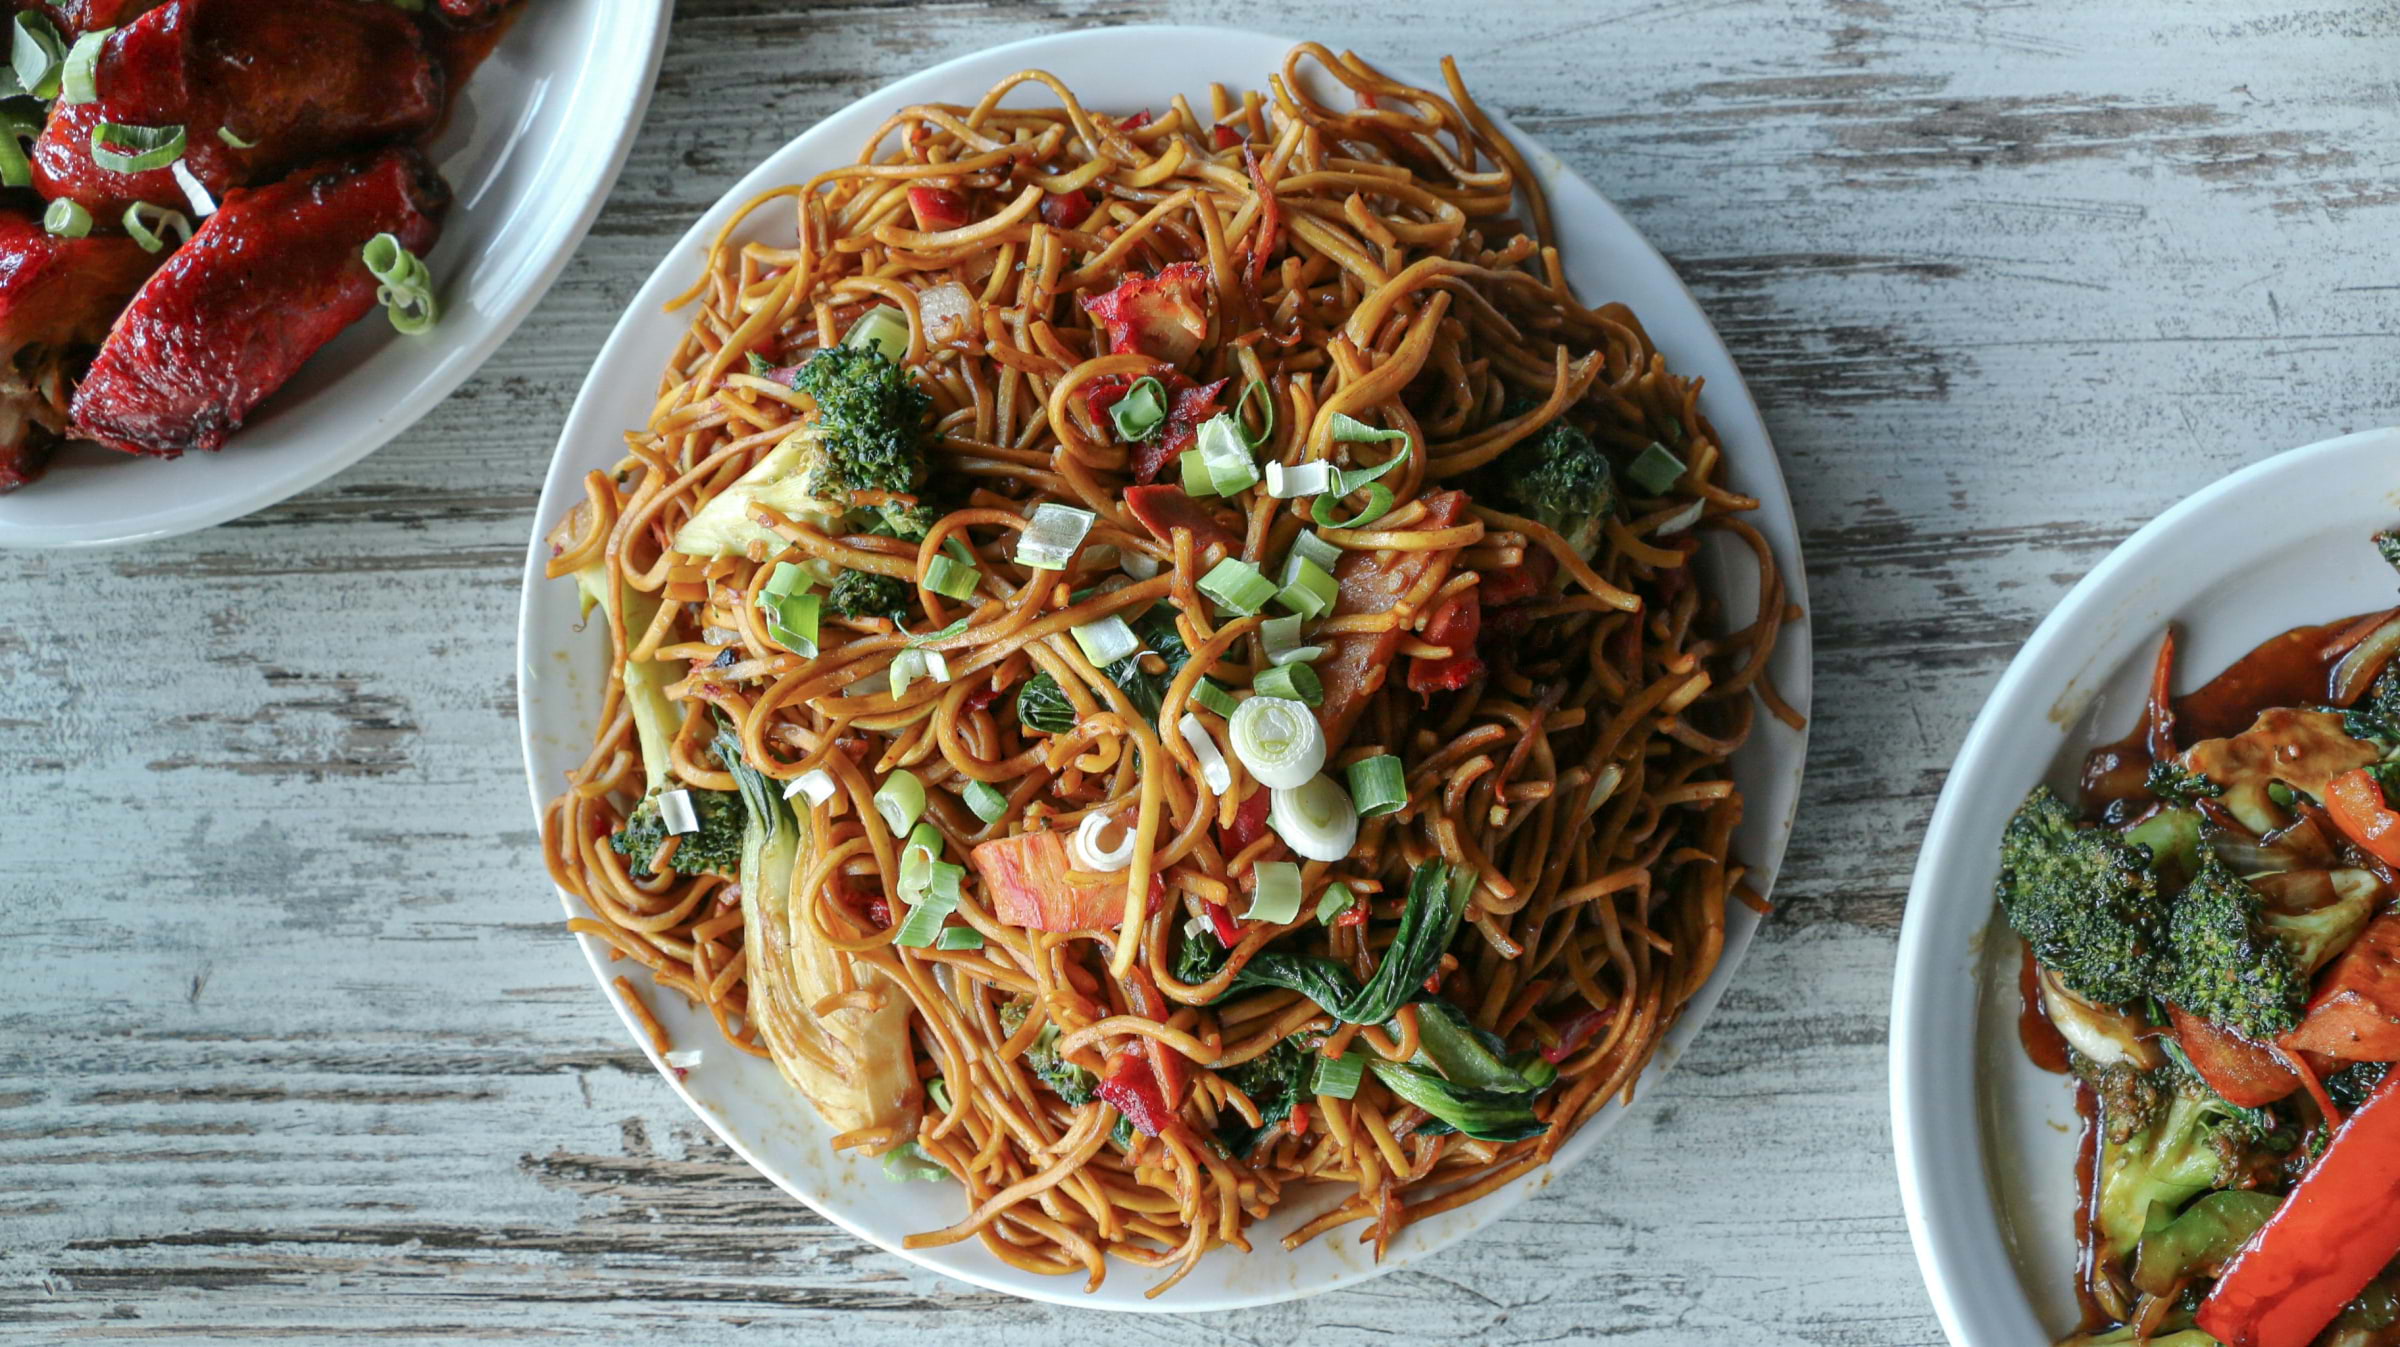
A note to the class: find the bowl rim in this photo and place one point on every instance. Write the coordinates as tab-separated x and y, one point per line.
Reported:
1937	1117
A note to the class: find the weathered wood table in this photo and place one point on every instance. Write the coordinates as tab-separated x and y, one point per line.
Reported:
292	1046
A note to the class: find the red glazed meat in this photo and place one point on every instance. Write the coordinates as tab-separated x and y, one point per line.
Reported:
267	281
57	297
296	80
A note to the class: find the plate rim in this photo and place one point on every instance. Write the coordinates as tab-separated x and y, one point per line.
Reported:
651	22
1774	497
1954	1223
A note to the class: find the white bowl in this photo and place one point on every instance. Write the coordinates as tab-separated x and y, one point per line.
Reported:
562	671
1984	1140
531	149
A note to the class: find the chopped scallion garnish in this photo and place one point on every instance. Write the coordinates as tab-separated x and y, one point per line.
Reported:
676	812
234	138
1281	636
987	800
1256	388
1309	589
16	128
1106	640
1275	894
788	577
793	620
1656	469
1278	739
1350	481
66	219
1336	900
1051	537
120	148
1315	819
959	937
816	784
1304	479
1209	695
1297	682
405	284
949	579
39	55
1224	456
1309	546
1377	785
78	80
1141	411
1213	769
884	328
1238	586
149	225
901	801
1338	1077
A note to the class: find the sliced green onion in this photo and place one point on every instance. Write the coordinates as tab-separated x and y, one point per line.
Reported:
1142	410
955	547
195	192
924	840
944	885
1379	504
234	139
1337	899
1256	388
78	80
1237	585
788	577
676	812
1378	785
908	1162
901	801
1209	696
938	1090
1275	892
1049	541
1351	430
1310	547
816	784
884	328
951	580
66	219
1295	682
1281	635
1309	589
1227	459
1084	847
1213	769
1315	819
120	148
15	169
793	620
1682	519
872	685
923	924
1305	479
1279	740
988	801
923	639
1656	470
1338	1076
38	54
138	217
1106	641
959	937
1192	466
406	284
910	665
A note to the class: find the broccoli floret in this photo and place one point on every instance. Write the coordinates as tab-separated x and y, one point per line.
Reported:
1275	1080
909	523
2085	901
2130	1098
2227	967
866	594
871	413
2376	718
2192	1144
2172	781
715	849
1042	1060
2387	546
1561	480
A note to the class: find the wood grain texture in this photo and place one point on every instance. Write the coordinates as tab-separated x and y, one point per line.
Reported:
292	1048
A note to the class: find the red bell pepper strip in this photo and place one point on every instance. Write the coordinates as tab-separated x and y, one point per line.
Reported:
2339	1227
1164	509
1066	210
1249	822
1163	317
1128	1086
1166	1065
1189	405
1027	879
2246	1073
2355	1014
1224	923
1521	581
2358	809
1224	136
1453	625
937	208
1578	1031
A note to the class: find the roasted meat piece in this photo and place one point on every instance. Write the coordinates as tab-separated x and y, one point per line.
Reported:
57	297
292	81
266	281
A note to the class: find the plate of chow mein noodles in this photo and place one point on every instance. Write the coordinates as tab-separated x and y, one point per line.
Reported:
1160	665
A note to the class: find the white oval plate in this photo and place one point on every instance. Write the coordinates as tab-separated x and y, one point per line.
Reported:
531	149
1985	1141
561	671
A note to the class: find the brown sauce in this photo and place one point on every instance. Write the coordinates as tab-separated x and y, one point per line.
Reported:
2087	1172
2045	1046
2292	669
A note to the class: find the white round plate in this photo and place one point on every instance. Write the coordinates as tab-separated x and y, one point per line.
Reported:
562	671
532	147
1985	1141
